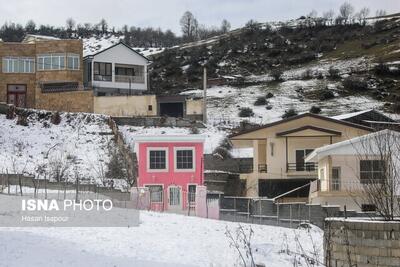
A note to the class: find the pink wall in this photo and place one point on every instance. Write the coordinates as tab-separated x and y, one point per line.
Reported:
171	176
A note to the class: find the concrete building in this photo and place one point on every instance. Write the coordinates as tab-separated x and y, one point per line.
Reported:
279	150
116	70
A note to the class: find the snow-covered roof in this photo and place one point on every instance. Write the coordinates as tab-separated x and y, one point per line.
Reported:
94	45
117	44
350	115
29	38
352	146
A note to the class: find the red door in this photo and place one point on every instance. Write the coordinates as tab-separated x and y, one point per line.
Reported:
16	95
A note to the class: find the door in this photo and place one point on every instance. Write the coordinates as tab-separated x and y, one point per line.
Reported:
175	198
300	163
16	95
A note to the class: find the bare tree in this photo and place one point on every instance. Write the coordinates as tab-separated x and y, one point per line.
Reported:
189	26
380	13
70	24
30	26
225	26
346	10
103	26
362	15
241	241
379	172
328	16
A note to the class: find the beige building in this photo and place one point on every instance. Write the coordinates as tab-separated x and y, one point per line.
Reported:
351	169
37	70
280	148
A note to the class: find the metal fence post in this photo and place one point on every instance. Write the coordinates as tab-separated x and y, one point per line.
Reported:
234	207
290	212
260	209
277	213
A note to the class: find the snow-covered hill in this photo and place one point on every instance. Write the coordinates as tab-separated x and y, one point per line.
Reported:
79	145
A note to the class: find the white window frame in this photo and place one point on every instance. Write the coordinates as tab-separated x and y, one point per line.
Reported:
162	189
75	65
13	64
41	59
148	159
176	149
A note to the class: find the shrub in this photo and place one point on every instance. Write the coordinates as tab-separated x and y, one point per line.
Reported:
10	112
333	72
307	74
194	130
22	120
222	153
56	118
289	113
315	110
396	108
326	95
246	112
277	74
355	83
269	95
261	100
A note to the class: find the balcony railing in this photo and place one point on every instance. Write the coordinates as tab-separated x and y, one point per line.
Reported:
262	168
248	168
341	185
129	79
301	167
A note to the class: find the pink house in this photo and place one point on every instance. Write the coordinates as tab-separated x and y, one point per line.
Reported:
171	167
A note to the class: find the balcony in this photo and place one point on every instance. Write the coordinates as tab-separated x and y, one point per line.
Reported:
129	79
302	167
248	168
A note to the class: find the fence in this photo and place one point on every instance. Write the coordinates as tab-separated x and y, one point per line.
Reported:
266	211
14	184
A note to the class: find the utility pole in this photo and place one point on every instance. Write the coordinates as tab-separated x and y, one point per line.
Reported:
205	95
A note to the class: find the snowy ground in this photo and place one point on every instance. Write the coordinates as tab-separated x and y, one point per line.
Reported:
160	240
80	138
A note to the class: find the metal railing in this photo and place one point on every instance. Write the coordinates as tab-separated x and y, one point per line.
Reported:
262	168
129	79
301	167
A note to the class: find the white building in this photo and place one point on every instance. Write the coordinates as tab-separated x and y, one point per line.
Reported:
351	170
116	70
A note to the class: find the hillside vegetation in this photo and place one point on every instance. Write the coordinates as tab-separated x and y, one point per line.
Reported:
267	54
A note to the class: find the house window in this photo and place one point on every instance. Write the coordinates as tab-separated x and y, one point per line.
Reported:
371	171
301	154
157	159
184	159
150	108
124	71
51	62
335	183
368	207
18	65
192	193
102	71
73	61
156	193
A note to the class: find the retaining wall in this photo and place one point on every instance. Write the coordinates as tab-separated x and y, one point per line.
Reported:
361	243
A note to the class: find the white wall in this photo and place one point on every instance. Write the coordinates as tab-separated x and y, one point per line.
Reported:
120	54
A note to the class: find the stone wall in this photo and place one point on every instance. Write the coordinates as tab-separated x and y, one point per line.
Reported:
75	101
361	243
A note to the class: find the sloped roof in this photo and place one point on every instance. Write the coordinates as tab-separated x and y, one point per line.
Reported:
350	115
114	45
348	147
29	38
302	116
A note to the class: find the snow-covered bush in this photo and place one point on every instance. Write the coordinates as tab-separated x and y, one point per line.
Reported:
246	112
289	113
260	101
